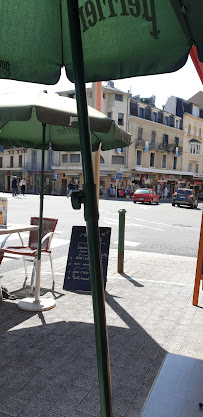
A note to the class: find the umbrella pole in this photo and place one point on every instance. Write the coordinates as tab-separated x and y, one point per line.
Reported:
38	264
39	303
91	215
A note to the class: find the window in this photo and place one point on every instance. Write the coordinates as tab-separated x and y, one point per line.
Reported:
165	139
189	129
176	141
11	161
190	167
195	111
50	156
118	97
139	158
163	161
200	132
153	138
166	120
101	160
195	131
141	112
121	119
64	158
140	131
174	162
119	160
196	169
152	159
104	95
194	148
154	116
34	159
177	124
74	157
109	114
20	162
1	162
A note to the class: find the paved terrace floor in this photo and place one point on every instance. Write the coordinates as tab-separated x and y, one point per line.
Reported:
48	360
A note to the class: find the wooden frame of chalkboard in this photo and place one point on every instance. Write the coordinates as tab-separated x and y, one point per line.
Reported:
77	275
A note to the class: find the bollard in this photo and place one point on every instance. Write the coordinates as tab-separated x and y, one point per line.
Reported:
121	235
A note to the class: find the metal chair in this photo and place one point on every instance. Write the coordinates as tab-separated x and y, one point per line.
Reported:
48	228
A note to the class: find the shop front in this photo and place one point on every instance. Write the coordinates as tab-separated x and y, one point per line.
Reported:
102	186
35	181
68	180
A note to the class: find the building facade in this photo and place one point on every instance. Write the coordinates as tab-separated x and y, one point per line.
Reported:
26	163
156	153
192	113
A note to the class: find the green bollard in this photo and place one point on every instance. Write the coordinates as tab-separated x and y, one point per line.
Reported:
121	236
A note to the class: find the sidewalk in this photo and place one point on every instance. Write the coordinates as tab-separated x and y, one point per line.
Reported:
48	361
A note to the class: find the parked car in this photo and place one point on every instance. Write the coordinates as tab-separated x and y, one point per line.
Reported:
200	196
145	195
185	197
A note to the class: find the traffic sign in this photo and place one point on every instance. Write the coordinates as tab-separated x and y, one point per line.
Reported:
56	176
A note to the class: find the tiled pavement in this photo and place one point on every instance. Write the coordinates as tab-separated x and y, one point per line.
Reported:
48	362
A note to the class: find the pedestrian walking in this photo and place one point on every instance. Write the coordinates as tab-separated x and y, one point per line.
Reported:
14	186
165	191
22	186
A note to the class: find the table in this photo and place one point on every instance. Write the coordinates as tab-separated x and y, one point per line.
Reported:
8	230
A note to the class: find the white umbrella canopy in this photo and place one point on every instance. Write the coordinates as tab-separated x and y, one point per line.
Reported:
21	117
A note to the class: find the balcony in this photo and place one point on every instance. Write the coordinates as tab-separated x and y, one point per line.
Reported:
154	146
140	143
165	147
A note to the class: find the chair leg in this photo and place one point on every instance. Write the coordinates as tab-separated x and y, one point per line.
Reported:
33	276
1	296
52	271
26	275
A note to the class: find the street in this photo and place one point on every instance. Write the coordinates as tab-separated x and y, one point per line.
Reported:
148	228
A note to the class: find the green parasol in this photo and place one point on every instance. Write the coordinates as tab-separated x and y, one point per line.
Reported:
96	40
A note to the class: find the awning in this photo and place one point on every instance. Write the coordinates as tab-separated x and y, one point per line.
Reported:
161	171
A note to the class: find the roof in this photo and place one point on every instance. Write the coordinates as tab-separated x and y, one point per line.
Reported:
197	99
194	141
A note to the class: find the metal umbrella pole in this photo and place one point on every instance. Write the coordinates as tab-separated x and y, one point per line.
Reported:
91	215
39	304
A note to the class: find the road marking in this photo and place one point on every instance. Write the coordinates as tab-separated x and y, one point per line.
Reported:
149	221
115	222
59	242
128	243
142	225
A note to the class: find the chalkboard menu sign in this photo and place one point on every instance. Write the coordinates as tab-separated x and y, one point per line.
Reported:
77	275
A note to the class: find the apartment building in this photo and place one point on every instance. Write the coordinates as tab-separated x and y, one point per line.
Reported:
191	112
155	156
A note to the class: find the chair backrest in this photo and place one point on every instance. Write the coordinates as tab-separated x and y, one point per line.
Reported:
48	225
1	255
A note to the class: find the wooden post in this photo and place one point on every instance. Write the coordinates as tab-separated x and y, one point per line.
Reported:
199	275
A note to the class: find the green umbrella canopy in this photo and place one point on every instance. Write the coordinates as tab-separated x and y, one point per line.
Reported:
21	119
120	38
